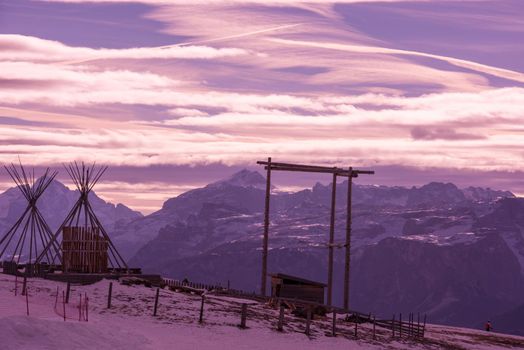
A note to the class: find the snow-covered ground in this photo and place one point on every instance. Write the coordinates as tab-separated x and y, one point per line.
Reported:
130	323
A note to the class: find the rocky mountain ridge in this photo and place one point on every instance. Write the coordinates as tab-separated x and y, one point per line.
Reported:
454	253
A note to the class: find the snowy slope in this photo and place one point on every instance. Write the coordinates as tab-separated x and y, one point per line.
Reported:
129	324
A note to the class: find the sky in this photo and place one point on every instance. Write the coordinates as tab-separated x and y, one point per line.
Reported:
174	94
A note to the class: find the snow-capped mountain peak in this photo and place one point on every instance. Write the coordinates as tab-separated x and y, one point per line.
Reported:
244	178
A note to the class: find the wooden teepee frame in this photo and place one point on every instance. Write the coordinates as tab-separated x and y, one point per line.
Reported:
31	229
82	214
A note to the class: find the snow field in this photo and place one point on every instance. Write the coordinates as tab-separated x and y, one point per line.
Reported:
130	324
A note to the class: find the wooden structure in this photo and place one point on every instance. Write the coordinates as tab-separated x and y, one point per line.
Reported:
286	286
85	242
30	233
350	173
84	250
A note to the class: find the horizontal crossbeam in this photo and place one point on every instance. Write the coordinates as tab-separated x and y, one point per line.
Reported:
314	169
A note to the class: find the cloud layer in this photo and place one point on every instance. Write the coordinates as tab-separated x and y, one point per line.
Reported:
244	79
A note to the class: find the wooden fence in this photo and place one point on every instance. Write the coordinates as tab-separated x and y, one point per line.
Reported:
399	328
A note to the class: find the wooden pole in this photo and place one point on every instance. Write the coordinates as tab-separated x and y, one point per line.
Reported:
424	328
243	316
308	321
400	322
24	285
201	318
27	301
418	324
348	240
156	301
266	230
280	326
63	305
393	326
334	324
87	307
109	295
68	291
16	285
331	241
80	309
356	328
374	327
56	299
411	323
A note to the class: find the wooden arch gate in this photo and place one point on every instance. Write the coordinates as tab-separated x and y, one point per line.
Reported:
350	173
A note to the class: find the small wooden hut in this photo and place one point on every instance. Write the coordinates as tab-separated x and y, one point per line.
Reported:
286	286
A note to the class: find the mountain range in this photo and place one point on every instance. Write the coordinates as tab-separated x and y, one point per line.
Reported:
455	254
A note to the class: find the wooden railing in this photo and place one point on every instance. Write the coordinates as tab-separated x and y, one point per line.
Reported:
409	328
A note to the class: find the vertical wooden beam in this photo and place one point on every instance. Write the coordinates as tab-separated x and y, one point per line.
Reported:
418	324
201	316
24	285
68	292
109	295
334	324
63	305
280	326
27	300
308	321
374	327
266	230
156	301
424	327
400	323
348	240
87	307
243	316
331	241
393	326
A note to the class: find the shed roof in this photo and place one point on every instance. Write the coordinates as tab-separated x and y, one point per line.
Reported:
297	279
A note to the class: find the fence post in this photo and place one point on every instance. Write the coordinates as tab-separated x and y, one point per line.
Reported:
16	285
109	295
374	326
334	324
56	299
400	328
418	324
393	326
87	307
243	316
27	300
80	309
308	321
201	318
356	328
424	329
413	324
68	291
63	305
156	301
409	324
24	286
280	326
